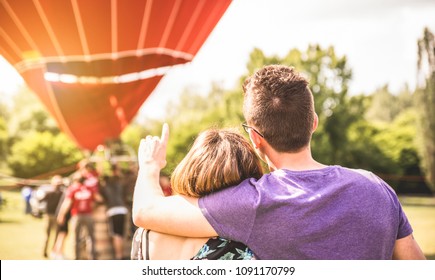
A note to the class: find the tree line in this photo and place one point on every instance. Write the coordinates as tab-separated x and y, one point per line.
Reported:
390	134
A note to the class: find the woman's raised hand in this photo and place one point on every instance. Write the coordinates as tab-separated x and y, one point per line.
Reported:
152	149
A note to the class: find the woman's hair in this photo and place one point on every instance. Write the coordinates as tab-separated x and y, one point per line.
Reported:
219	158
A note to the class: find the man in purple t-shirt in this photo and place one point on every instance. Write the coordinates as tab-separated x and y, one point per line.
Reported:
302	209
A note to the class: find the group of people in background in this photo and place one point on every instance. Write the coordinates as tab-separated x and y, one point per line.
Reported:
73	201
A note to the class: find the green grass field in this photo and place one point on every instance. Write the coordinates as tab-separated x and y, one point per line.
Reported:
22	236
421	214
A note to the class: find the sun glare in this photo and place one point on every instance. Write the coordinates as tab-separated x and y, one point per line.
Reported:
10	80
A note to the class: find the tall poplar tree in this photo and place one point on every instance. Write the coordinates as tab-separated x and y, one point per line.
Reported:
425	103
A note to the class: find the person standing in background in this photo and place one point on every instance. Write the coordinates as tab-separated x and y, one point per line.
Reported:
114	194
52	198
26	193
61	232
80	198
129	181
165	184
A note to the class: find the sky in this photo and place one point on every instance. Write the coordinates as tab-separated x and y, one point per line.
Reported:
378	37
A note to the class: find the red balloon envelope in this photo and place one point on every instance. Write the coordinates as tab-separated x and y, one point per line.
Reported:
94	62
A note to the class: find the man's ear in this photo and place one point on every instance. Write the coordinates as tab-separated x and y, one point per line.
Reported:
255	139
315	122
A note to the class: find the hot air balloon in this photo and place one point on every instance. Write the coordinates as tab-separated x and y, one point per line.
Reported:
93	63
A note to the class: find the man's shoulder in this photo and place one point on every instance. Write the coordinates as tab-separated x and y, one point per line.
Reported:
360	171
362	174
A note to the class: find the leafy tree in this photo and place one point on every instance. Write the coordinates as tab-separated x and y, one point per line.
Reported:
3	143
29	116
35	144
38	120
398	135
404	101
25	104
398	143
4	136
42	152
385	106
425	104
365	151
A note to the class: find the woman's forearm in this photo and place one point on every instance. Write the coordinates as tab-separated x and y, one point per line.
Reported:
146	196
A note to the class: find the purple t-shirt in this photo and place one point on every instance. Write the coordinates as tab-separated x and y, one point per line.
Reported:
331	213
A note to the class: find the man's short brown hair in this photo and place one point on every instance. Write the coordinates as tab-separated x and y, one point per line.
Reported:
279	103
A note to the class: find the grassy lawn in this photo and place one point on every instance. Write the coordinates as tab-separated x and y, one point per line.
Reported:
421	214
22	236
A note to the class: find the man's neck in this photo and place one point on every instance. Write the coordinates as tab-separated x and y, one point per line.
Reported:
298	161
